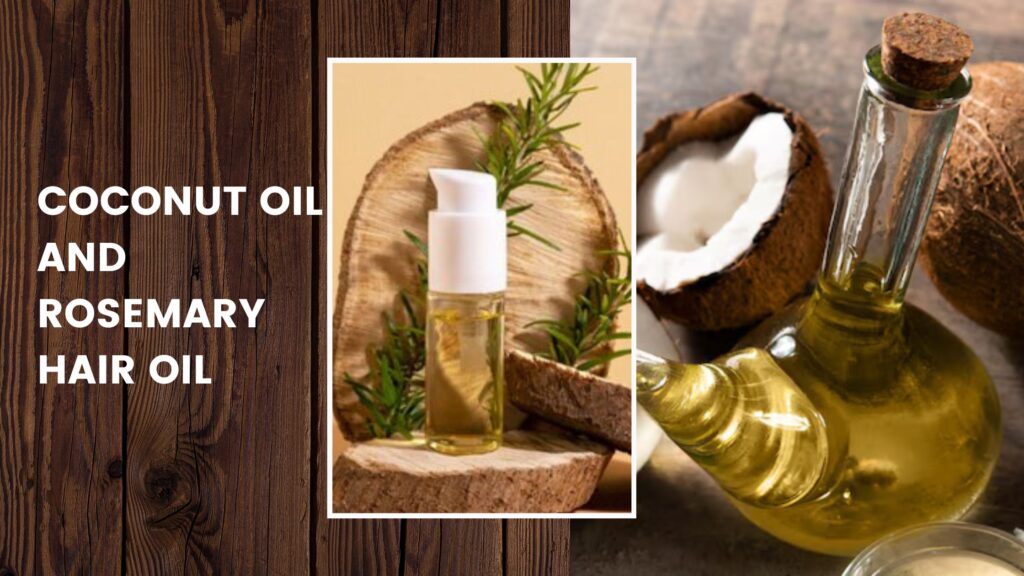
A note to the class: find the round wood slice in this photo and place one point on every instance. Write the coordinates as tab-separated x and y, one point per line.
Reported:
376	259
531	472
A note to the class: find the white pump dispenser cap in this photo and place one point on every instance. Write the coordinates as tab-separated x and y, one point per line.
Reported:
466	237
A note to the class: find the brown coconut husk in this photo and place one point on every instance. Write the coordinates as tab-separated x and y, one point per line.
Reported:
973	247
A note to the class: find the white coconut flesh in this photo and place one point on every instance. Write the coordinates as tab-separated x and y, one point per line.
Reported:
705	202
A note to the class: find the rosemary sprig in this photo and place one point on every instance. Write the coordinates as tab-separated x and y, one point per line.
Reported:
393	390
395	403
528	128
583	340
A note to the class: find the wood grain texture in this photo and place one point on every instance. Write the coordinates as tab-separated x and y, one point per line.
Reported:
471	548
385	28
536	27
60	446
327	539
806	54
424	28
530	472
364	547
536	547
216	473
422	553
469	27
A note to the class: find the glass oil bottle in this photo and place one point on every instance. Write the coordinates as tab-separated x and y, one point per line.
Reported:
850	414
465	322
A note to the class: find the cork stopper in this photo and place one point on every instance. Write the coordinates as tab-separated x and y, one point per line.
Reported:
923	51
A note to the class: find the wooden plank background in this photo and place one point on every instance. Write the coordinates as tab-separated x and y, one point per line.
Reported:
227	478
806	54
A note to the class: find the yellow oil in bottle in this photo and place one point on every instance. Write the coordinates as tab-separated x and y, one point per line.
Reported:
830	428
917	421
464	372
742	419
849	415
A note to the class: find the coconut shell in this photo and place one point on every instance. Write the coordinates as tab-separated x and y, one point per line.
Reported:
787	250
973	247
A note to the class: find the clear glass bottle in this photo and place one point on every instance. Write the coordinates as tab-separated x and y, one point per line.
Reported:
465	325
850	414
464	372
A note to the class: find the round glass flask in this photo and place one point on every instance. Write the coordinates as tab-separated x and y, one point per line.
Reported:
850	414
913	418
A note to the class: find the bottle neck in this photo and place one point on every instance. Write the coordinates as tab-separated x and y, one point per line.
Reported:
691	402
893	165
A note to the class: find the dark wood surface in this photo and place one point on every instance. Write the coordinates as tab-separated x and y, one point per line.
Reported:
214	472
537	547
227	478
537	28
430	547
806	54
60	448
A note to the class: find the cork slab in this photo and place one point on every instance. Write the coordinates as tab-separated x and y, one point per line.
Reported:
576	400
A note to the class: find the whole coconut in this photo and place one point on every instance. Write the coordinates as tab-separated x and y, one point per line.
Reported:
973	247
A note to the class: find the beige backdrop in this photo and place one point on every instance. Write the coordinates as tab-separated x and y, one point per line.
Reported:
374	105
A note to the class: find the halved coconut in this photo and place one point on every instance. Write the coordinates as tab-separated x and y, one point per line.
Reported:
733	206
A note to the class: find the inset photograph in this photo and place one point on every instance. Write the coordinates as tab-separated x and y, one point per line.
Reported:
480	232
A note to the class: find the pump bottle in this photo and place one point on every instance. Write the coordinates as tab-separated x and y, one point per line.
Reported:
467	278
